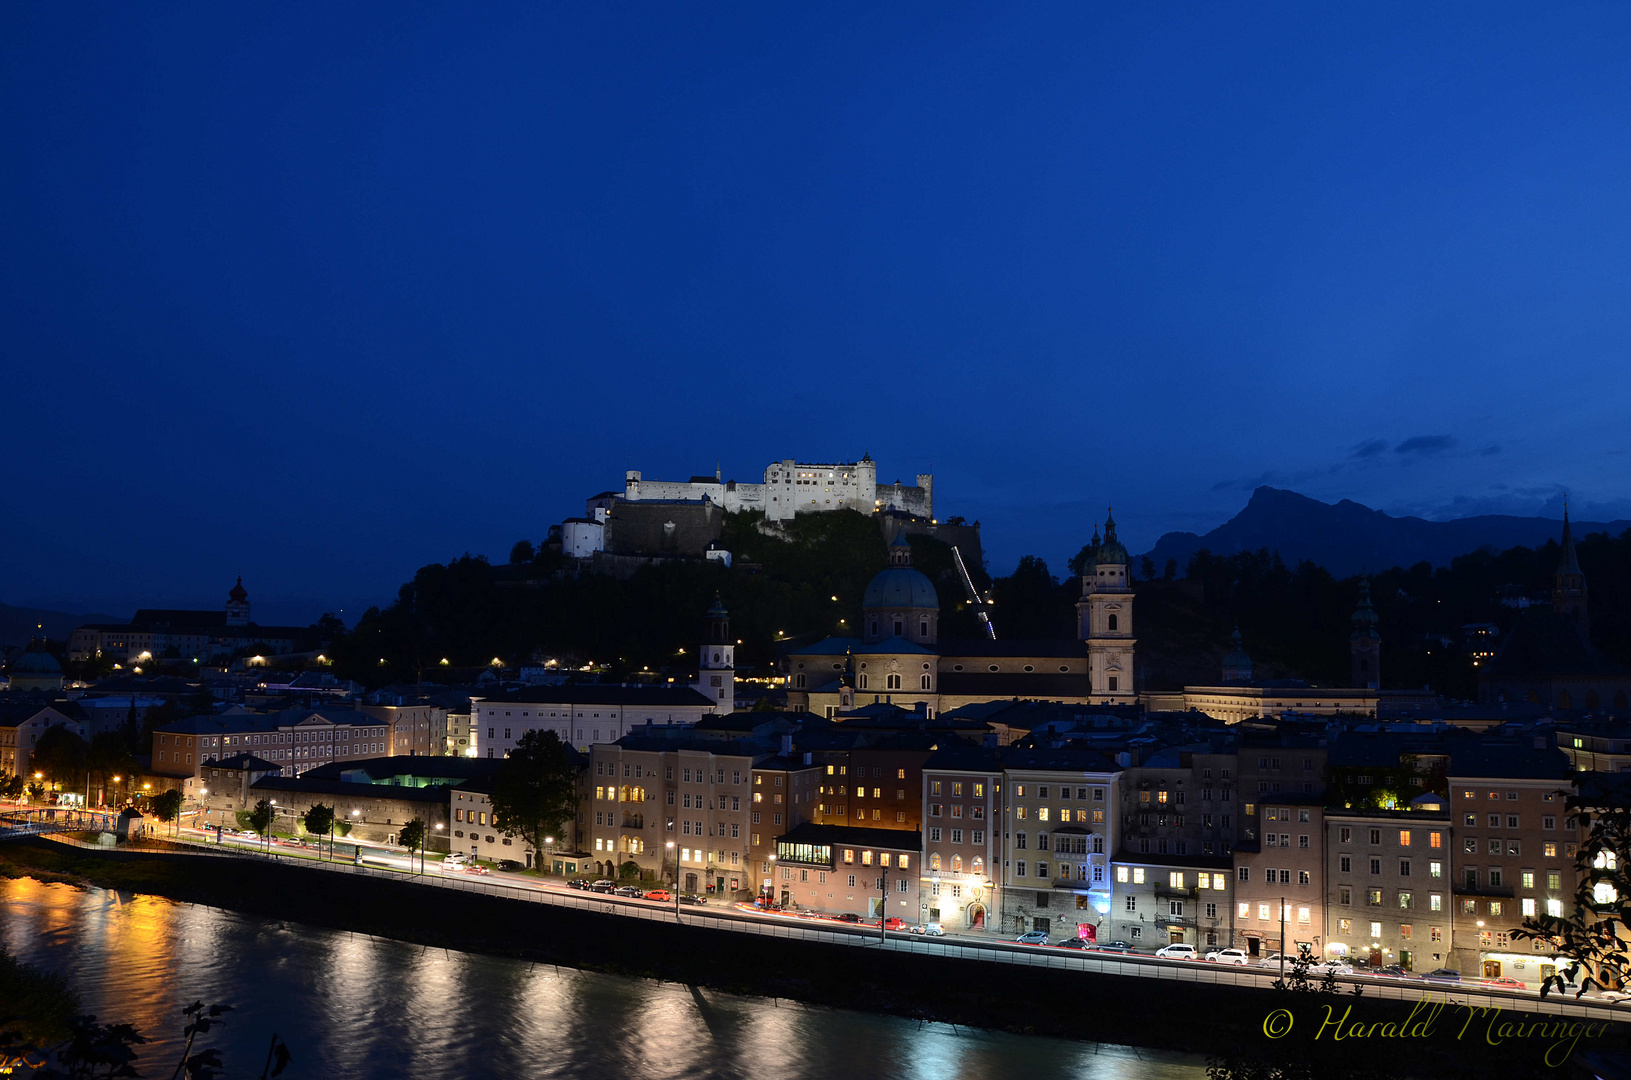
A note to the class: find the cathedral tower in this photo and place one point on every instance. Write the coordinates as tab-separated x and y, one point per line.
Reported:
1365	643
1104	617
1569	584
717	677
238	604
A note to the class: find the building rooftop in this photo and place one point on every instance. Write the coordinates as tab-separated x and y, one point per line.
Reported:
854	836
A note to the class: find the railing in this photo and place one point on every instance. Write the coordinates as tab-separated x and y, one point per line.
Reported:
787	928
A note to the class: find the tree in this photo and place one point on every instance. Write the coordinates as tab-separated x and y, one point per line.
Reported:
522	552
60	755
319	821
535	791
260	819
412	837
166	805
1169	571
10	786
1146	568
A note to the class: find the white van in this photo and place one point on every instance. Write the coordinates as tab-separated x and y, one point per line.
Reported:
1177	952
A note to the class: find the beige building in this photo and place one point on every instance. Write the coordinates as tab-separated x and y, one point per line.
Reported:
1060	811
1390	886
582	716
22	724
680	808
838	869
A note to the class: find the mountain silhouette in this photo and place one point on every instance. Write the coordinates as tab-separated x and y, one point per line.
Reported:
1348	538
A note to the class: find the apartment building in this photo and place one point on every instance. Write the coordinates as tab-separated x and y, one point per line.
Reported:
1390	896
679	807
296	740
1280	854
840	869
581	716
785	792
1061	823
962	840
414	730
871	780
1515	850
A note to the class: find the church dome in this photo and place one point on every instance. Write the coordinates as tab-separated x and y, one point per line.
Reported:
900	587
35	662
238	594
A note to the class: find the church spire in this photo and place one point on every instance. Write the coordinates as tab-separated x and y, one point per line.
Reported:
1365	643
1569	584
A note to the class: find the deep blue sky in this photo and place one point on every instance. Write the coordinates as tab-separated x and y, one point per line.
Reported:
321	293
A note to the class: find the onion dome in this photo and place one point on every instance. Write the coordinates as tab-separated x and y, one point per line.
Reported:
899	585
1110	552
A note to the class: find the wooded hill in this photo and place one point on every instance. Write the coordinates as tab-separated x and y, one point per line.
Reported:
782	589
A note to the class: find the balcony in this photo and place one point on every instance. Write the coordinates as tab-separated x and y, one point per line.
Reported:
1077	884
1167	892
1501	891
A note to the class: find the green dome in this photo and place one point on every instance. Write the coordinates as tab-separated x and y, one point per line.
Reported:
900	587
36	663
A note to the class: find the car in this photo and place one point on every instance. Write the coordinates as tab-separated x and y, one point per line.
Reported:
602	886
1387	971
1228	956
1613	997
660	894
508	865
633	892
1330	967
1506	982
849	917
1072	943
1442	975
693	898
1113	946
1033	937
893	923
1177	951
455	859
475	869
932	929
581	884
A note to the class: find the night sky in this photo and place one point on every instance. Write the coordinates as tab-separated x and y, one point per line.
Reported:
320	293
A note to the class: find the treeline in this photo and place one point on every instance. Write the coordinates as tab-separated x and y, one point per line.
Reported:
802	582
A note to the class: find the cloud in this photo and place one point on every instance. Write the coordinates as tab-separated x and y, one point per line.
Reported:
1425	445
1493	448
1369	448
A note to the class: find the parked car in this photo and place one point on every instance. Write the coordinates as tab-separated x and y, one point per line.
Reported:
1033	937
476	869
602	886
1333	967
1113	946
932	929
693	898
893	923
1443	975
508	864
1506	982
581	884
1177	951
1229	956
633	892
849	916
1387	971
1073	943
660	894
1613	997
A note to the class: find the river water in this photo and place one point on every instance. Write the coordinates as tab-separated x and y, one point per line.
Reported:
357	1008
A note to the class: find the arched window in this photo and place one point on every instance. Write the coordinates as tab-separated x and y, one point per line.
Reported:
894	682
860	681
957	864
934	861
927	683
1112	623
798	680
979	865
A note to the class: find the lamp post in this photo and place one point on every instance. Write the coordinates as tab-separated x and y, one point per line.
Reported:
883	905
422	852
676	881
770	888
549	855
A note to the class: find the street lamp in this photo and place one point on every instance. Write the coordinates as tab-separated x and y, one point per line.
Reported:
676	881
549	853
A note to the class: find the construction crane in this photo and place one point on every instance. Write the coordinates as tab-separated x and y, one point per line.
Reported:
973	596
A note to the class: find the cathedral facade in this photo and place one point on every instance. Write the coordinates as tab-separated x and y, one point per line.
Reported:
900	659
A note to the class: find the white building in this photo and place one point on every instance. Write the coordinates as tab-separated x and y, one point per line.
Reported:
21	730
792	487
580	716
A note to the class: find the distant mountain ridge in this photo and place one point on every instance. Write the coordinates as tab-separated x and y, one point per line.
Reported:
1349	538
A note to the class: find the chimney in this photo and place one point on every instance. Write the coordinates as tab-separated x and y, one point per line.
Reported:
787	745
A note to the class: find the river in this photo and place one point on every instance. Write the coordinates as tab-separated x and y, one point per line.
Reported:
353	1007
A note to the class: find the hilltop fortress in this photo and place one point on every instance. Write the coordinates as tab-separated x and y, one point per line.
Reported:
793	487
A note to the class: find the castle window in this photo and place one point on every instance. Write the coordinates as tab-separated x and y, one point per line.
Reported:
898	628
926	682
1112	623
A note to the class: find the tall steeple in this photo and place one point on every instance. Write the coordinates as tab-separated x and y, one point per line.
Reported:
717	677
1365	643
1104	619
1569	584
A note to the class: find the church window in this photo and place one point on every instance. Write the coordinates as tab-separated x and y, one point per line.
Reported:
894	682
860	681
898	630
1112	623
923	628
1112	684
926	683
993	667
1028	667
799	680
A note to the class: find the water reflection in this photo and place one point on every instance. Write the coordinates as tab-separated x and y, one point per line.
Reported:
356	1007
